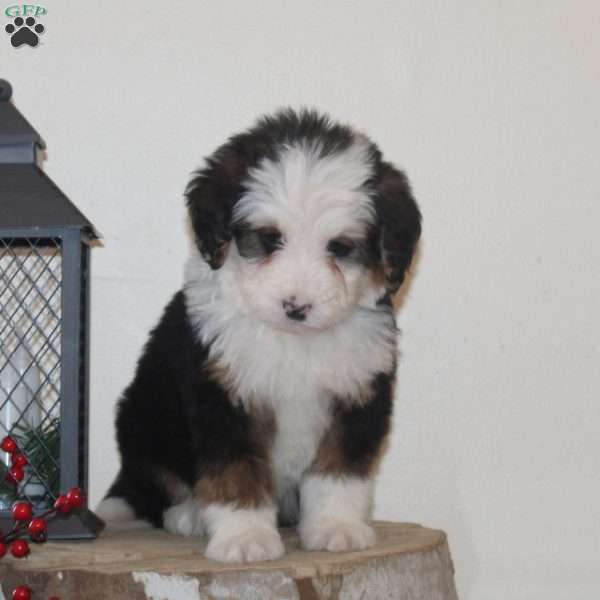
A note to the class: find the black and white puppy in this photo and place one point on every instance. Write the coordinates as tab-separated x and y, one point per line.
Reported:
264	394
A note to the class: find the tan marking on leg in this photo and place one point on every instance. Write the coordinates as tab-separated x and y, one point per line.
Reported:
246	482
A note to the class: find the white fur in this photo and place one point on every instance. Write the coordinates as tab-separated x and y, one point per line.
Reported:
333	513
115	509
118	515
299	187
184	518
267	364
242	535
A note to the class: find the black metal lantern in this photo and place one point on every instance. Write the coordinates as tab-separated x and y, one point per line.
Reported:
44	328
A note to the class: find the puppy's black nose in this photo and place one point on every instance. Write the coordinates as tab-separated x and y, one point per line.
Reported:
294	311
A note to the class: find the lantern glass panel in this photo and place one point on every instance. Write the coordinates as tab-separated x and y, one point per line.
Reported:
30	363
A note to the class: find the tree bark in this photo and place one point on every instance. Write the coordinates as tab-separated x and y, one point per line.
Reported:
409	562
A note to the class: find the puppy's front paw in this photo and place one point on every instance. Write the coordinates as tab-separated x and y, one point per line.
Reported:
183	519
250	545
336	536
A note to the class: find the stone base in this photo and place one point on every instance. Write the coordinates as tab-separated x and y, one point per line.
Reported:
409	562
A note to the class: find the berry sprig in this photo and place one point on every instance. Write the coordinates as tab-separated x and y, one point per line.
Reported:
24	522
18	462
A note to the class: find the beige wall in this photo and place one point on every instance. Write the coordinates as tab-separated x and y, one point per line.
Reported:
493	108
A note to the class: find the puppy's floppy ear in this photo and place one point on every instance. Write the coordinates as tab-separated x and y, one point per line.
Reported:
210	207
399	222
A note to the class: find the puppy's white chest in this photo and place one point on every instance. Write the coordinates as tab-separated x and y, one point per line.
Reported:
300	425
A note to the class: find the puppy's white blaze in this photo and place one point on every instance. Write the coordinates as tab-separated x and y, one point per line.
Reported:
242	535
299	185
334	511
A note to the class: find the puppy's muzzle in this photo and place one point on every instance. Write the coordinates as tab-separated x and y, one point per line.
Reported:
295	311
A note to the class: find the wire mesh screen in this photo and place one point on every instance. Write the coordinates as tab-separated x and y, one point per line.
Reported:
30	363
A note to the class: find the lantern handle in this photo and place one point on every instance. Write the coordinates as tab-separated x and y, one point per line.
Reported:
5	90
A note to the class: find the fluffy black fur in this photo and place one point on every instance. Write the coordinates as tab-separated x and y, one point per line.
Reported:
175	417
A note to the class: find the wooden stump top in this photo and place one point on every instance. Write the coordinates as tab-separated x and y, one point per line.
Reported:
150	564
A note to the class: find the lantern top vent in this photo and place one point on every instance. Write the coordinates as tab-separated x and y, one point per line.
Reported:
29	200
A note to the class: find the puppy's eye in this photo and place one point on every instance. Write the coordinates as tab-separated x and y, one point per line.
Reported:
270	239
340	247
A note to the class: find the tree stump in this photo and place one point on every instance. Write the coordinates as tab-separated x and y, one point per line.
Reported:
409	562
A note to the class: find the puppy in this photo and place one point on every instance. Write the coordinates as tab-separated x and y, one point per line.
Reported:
265	392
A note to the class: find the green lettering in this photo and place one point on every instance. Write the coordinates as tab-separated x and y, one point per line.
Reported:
12	11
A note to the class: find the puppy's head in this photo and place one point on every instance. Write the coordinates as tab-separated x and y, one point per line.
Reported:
307	217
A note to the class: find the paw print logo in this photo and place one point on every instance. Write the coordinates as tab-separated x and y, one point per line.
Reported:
24	32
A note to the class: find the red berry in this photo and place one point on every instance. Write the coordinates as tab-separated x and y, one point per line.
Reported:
18	460
38	530
19	548
3	549
22	511
76	497
9	445
62	504
21	593
15	474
